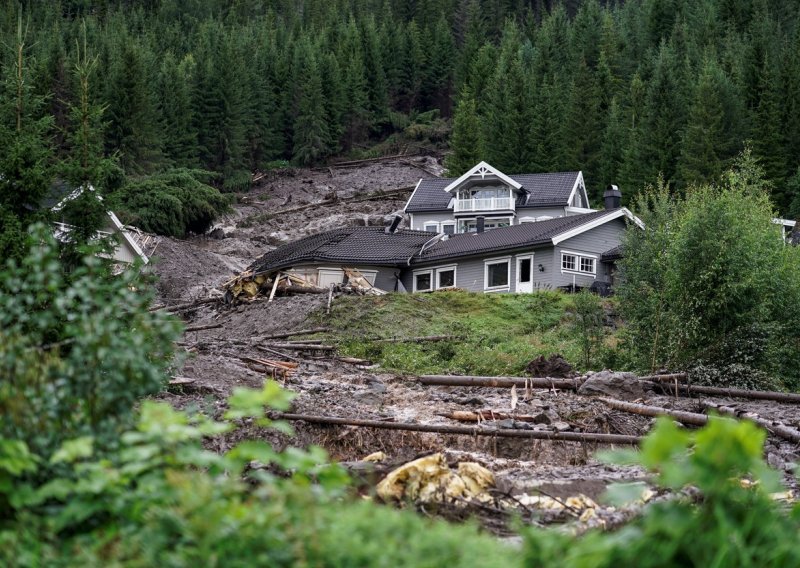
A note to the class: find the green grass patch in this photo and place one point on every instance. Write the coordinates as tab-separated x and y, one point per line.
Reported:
497	333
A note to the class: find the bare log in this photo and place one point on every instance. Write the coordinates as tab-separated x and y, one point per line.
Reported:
261	338
430	338
691	418
775	428
734	393
467	430
302	346
202	327
278	353
186	306
484	415
501	382
354	361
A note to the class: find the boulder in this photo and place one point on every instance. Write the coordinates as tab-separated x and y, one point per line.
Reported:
624	386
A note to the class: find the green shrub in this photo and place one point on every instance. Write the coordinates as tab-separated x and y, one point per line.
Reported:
174	203
77	350
729	523
708	272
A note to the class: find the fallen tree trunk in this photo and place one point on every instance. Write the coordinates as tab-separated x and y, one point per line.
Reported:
734	393
691	418
202	327
431	338
302	346
484	415
466	430
777	429
186	306
502	382
261	338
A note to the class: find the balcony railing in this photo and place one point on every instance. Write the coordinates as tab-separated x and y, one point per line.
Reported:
484	204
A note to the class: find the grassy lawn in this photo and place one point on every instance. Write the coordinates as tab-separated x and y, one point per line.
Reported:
497	333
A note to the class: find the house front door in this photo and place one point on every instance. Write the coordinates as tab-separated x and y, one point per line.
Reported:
524	274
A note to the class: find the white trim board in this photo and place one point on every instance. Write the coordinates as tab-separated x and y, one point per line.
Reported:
482	169
416	187
499	260
578	183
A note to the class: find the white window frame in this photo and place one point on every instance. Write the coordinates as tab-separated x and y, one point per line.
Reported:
447	224
441	269
579	256
489	220
490	261
416	273
427	224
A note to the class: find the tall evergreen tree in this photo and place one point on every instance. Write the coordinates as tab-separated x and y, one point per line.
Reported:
703	139
312	141
465	142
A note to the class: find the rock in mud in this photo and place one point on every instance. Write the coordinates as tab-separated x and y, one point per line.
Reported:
623	386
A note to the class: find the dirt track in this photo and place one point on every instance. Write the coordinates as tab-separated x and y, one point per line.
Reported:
194	268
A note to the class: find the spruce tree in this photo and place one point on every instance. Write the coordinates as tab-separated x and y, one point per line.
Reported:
311	142
177	111
703	139
465	143
26	159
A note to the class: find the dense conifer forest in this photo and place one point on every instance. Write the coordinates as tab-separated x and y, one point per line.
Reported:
625	91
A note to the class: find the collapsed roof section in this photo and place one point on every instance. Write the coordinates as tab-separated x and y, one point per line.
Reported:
358	245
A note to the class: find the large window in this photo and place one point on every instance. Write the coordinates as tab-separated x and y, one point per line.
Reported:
578	263
422	281
471	225
446	277
497	273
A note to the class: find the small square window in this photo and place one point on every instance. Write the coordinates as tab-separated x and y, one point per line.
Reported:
449	229
432	228
497	275
447	278
568	262
422	281
587	264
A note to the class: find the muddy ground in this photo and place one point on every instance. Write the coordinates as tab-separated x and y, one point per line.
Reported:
195	268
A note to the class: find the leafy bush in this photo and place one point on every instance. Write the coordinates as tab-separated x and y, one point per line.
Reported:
174	203
77	350
162	499
708	268
733	521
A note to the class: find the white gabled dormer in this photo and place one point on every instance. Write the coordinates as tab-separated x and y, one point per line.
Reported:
578	202
483	189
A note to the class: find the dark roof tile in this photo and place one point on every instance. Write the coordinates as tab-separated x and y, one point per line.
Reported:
362	245
506	238
540	190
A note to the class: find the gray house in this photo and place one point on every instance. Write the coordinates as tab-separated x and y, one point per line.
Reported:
568	251
486	195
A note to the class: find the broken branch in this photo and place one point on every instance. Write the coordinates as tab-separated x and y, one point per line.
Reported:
502	382
775	428
202	327
692	418
467	430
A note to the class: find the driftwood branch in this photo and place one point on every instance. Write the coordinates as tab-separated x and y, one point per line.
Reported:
774	428
186	306
691	418
484	415
467	430
502	382
430	338
302	346
735	393
661	378
261	338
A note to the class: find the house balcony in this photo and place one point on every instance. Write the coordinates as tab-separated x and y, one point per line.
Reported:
484	204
